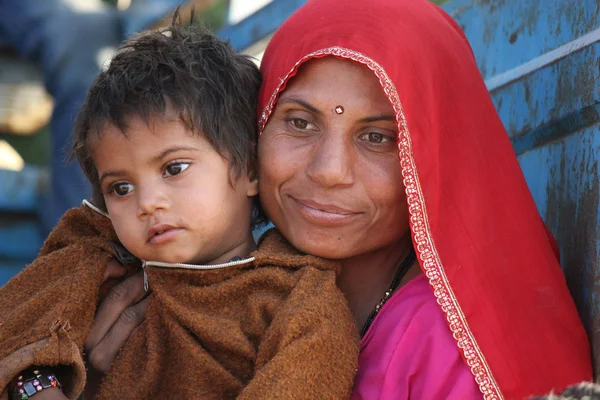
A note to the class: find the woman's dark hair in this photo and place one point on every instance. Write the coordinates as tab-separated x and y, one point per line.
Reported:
186	70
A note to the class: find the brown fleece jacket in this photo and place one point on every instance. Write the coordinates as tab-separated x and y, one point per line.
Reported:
276	328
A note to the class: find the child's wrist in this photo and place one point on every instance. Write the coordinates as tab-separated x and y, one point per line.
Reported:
49	394
34	381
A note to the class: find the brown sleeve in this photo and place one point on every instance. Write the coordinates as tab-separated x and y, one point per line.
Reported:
310	351
47	310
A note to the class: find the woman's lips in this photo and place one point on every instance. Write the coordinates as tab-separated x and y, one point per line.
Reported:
327	214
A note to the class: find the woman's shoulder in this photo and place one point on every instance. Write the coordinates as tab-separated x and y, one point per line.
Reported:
410	351
411	326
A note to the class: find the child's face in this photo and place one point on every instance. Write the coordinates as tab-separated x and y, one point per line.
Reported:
169	193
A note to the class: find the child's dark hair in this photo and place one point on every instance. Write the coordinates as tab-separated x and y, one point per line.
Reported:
184	69
582	391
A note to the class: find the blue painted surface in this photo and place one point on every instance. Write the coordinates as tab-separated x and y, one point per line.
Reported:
20	232
563	179
261	24
20	190
507	33
559	98
20	237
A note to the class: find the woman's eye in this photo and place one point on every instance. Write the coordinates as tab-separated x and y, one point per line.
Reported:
376	137
176	168
122	189
301	124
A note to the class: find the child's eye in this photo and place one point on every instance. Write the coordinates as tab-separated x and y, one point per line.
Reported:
175	168
122	189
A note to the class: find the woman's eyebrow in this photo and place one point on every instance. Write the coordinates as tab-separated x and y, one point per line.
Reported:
375	118
308	106
301	102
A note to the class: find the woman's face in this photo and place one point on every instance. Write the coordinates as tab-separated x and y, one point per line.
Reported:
330	180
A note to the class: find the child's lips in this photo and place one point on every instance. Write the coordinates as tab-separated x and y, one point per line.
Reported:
162	233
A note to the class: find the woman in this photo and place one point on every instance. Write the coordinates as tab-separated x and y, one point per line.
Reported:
378	136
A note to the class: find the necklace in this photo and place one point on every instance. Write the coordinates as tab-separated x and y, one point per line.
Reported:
402	270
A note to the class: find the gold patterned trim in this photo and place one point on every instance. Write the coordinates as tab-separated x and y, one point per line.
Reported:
418	217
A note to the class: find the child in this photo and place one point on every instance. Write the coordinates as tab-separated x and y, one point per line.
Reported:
167	138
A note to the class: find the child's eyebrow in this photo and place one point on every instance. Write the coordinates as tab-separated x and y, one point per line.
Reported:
170	150
109	174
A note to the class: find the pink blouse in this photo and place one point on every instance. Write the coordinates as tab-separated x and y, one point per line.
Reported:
409	352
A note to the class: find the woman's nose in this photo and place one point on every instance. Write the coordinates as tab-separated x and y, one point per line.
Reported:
151	200
330	161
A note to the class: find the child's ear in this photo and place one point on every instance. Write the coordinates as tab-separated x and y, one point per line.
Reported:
252	188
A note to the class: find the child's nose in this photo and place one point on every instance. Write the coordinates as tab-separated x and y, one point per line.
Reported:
151	200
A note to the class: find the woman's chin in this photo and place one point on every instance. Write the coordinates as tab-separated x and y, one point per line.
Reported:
330	248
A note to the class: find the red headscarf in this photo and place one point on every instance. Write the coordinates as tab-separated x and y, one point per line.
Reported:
475	227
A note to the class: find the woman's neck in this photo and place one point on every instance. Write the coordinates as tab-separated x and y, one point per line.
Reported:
365	278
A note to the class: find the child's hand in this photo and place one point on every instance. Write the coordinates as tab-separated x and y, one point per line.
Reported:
113	270
118	315
123	309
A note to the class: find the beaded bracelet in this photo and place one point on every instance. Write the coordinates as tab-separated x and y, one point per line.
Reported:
31	382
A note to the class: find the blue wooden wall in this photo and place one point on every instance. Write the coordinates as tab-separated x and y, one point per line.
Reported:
541	62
